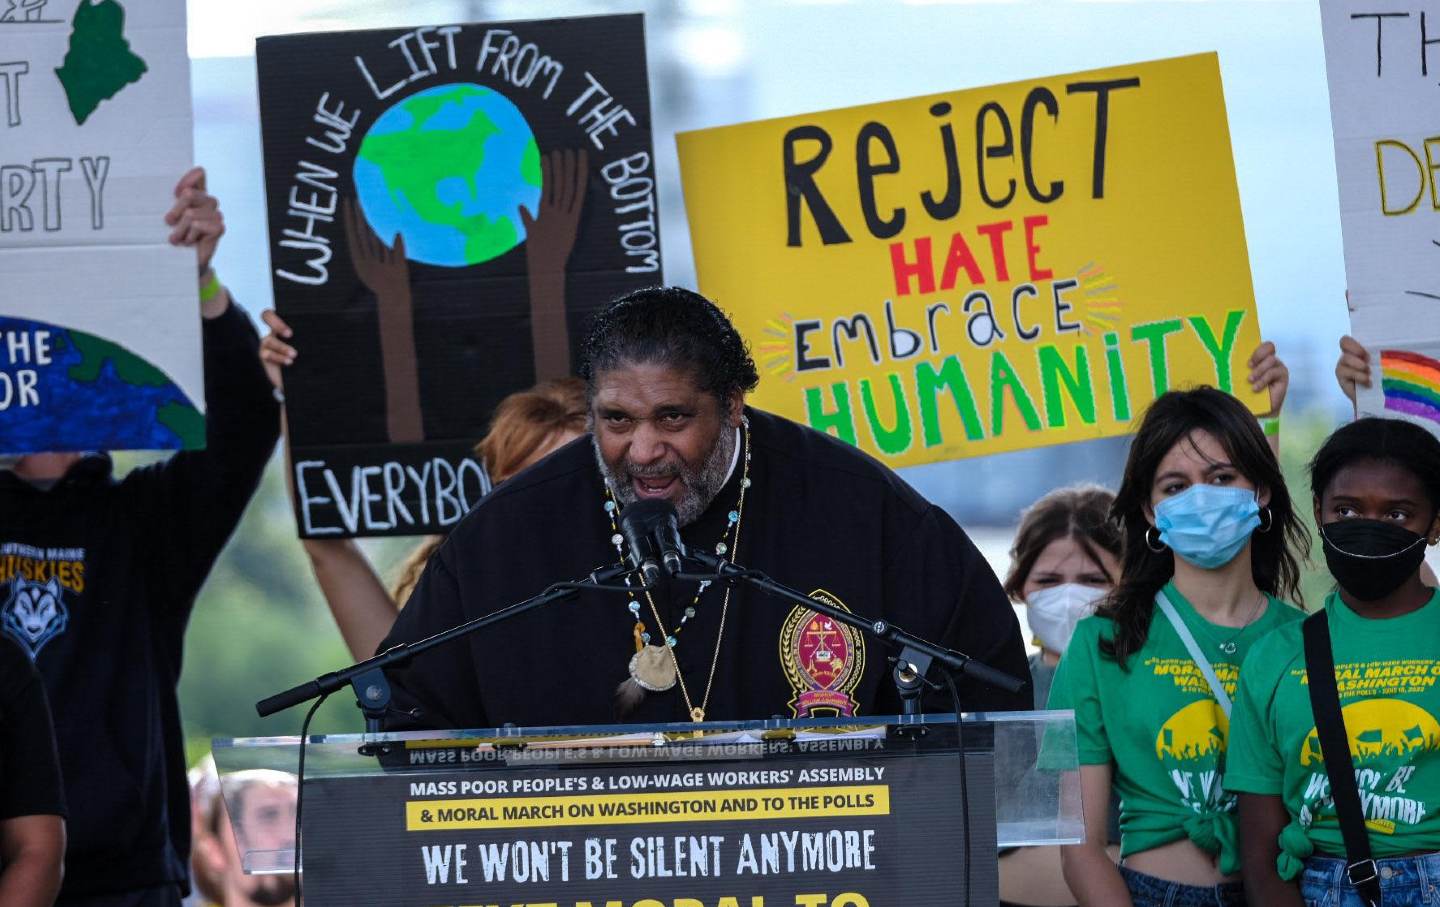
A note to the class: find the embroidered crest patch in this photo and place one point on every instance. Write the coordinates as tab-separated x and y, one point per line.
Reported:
824	661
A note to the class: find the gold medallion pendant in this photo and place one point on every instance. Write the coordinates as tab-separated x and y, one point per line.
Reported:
653	669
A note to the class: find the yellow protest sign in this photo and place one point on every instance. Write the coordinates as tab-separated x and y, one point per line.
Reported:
982	270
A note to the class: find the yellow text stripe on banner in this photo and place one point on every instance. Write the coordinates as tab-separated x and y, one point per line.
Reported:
631	809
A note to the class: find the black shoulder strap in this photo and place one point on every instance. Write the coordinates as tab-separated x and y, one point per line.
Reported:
1335	745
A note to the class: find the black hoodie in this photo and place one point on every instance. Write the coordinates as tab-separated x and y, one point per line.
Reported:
97	580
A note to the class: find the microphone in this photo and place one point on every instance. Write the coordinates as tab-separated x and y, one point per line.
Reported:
666	536
638	523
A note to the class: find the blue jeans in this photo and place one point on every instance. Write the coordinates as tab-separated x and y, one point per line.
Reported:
1148	891
1404	882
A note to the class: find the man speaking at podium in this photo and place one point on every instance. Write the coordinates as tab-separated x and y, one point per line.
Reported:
667	376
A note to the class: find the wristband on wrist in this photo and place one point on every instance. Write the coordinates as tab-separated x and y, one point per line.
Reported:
1270	425
210	288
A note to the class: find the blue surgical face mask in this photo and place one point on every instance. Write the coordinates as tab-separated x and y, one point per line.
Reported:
1207	525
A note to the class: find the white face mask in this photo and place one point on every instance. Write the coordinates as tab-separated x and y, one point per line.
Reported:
1054	611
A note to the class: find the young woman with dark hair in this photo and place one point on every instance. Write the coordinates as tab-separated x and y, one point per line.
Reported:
1210	549
1066	557
1376	485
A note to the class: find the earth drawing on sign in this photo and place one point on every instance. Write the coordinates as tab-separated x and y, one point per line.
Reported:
448	169
98	395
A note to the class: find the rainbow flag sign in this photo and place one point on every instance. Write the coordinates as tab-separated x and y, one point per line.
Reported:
1383	115
1410	384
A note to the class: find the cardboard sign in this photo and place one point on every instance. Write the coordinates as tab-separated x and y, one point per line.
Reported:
99	314
983	270
448	205
1387	149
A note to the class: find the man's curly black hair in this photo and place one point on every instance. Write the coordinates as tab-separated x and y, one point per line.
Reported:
674	327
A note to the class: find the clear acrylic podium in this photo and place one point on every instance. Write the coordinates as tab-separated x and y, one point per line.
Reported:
848	812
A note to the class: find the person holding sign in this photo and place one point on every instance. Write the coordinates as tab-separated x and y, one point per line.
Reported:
526	427
1211	540
1377	503
100	576
667	375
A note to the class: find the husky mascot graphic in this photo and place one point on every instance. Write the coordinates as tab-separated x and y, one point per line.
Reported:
34	614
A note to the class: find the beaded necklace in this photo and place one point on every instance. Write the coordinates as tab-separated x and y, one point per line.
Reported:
654	668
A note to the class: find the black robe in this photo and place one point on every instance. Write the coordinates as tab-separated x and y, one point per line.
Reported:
818	515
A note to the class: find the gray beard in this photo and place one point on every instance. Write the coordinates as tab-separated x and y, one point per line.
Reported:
699	487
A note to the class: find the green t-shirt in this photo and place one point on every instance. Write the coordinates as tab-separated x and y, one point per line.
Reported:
1388	674
1157	723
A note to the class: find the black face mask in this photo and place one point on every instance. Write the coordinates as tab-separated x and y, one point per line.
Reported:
1371	558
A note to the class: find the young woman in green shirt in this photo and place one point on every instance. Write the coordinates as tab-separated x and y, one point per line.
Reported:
1210	542
1377	495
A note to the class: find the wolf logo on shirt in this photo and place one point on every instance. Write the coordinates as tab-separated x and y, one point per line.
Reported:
34	614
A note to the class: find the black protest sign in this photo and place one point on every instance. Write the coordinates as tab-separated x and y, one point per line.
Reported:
813	830
448	205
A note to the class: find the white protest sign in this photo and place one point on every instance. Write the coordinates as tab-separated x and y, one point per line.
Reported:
99	315
1383	65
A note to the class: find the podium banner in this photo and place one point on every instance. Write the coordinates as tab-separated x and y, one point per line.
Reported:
710	824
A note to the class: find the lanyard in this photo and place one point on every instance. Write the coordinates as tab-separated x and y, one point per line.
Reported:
1191	646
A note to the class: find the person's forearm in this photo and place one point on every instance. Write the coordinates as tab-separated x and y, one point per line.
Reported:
216	305
32	850
1093	877
362	609
549	330
241	418
403	416
1262	818
30	883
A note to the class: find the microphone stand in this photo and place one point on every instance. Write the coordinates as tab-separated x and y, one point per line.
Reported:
916	654
372	687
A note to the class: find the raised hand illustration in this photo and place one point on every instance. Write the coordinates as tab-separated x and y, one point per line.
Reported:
385	271
549	239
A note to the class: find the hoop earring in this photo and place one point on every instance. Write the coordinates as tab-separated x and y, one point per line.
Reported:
1156	546
1267	520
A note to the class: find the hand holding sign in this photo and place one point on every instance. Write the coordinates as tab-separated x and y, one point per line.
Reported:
1269	374
195	218
549	237
385	271
1353	366
275	353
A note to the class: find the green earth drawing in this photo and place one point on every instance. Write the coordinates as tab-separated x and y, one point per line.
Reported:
448	169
